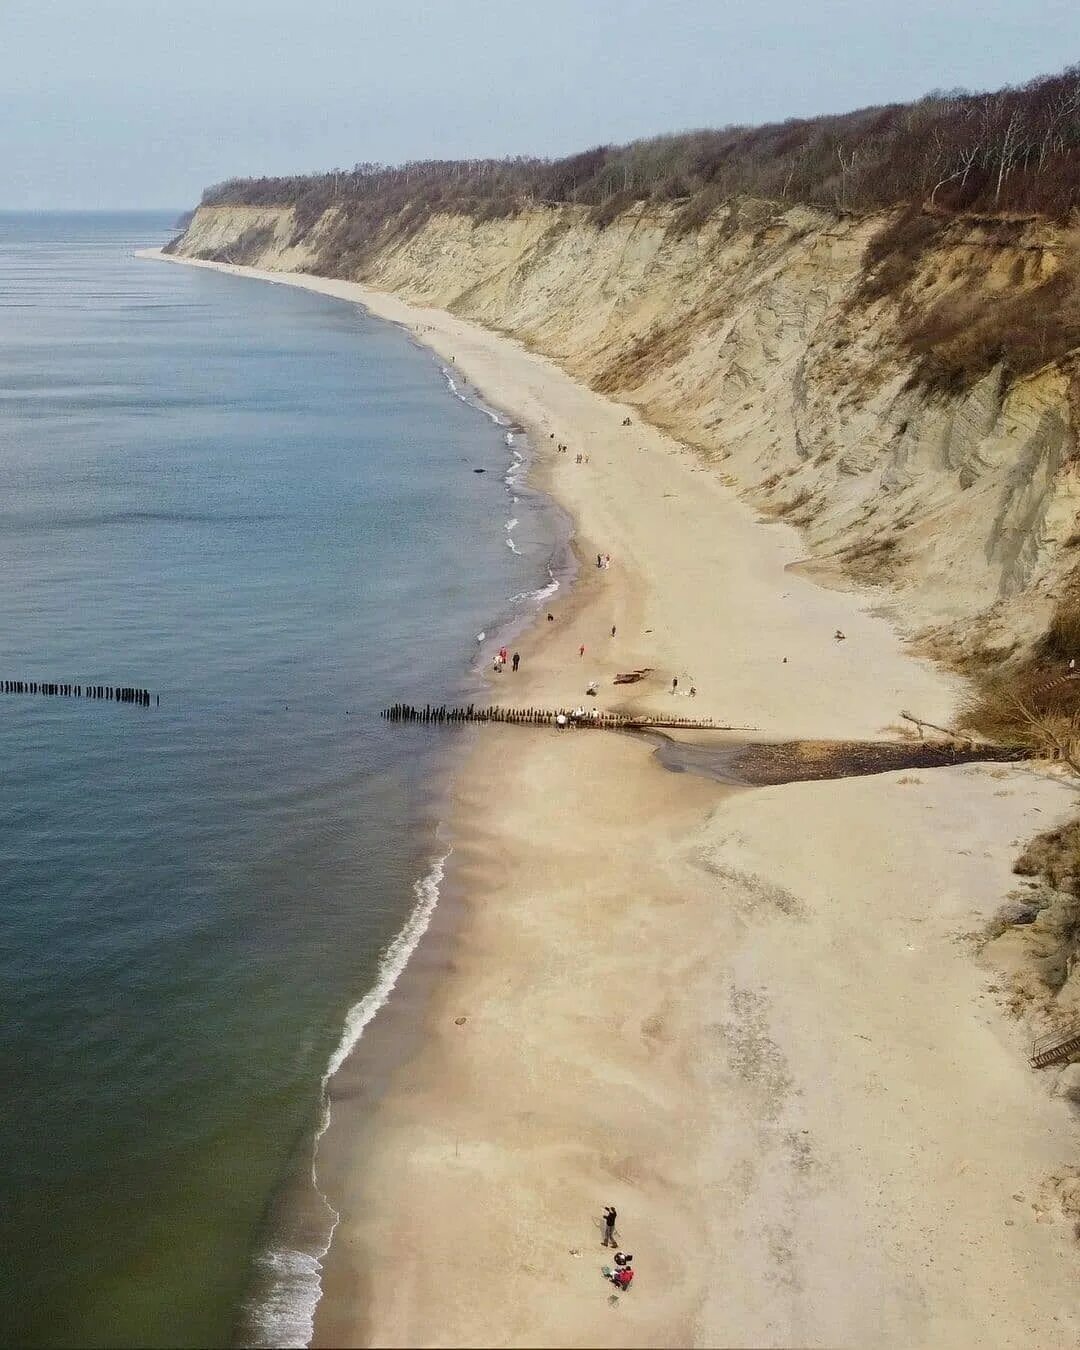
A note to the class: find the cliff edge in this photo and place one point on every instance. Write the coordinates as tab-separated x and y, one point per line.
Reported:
875	379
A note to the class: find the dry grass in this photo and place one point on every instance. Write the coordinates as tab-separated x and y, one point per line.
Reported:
968	333
1054	856
801	498
655	350
892	258
974	327
1032	707
1061	641
1034	702
1052	944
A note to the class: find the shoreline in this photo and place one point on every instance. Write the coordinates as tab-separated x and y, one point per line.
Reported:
748	1020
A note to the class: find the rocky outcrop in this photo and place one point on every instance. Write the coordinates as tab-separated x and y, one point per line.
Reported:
767	338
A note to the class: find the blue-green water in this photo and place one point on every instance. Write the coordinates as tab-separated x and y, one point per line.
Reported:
259	504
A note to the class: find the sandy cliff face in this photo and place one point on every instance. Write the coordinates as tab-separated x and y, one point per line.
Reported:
759	338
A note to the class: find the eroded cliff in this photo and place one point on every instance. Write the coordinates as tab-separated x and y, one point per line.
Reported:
903	387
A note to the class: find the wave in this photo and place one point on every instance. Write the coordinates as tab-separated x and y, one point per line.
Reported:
512	476
292	1278
538	597
284	1315
471	399
392	963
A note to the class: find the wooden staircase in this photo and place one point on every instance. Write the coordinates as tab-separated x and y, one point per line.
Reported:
1056	1046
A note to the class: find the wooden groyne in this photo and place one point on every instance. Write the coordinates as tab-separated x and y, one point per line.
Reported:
430	715
115	693
1056	1046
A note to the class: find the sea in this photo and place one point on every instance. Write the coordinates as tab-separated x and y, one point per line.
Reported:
265	507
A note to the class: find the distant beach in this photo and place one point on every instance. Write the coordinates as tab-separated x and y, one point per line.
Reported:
749	1020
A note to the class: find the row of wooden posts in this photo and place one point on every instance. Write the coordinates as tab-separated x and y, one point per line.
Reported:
117	693
430	714
398	712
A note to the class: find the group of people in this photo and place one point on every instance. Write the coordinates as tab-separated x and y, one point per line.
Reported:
603	560
579	458
503	656
622	1274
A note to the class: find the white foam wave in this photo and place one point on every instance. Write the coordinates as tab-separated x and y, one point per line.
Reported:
539	596
285	1316
472	402
542	594
393	962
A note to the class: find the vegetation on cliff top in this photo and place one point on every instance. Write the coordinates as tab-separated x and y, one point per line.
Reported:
1003	157
969	169
1015	151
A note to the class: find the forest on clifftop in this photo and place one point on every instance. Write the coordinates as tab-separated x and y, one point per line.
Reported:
1011	151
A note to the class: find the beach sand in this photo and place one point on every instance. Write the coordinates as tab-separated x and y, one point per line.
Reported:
754	1021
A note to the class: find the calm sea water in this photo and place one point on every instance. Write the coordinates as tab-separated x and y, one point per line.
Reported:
259	504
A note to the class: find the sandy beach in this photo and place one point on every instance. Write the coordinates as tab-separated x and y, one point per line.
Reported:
753	1020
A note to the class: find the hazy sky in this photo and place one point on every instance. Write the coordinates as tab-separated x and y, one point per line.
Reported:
143	102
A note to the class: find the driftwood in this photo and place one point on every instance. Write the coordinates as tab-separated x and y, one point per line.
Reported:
632	676
921	722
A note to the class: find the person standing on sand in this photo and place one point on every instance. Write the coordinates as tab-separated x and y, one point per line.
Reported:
610	1215
517	658
675	684
612	630
581	650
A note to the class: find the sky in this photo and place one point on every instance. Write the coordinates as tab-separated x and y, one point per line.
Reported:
142	103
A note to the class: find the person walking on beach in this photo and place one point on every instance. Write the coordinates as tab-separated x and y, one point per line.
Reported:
612	630
517	658
675	684
610	1216
581	650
